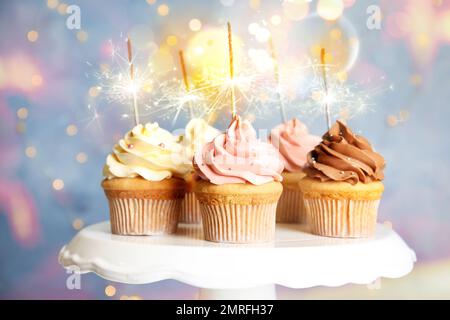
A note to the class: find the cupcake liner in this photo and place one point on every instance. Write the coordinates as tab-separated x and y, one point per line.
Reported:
290	207
344	218
190	209
239	223
140	216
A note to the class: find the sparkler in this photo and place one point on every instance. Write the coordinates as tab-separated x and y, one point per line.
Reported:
230	52
325	85
133	88
186	81
276	74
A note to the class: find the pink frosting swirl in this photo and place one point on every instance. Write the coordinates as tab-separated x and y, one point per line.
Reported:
293	143
237	156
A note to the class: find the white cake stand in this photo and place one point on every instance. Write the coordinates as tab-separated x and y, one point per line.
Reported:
297	259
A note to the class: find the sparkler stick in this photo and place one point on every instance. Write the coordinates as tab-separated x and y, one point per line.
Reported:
186	81
324	76
230	52
276	74
132	85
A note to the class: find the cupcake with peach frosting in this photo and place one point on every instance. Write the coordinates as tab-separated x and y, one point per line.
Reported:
239	186
293	142
197	133
143	181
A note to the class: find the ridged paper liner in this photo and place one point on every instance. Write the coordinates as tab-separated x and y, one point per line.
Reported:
190	209
343	218
134	216
290	207
237	223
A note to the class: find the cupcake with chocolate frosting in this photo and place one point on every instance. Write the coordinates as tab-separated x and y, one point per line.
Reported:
144	181
293	142
343	186
239	186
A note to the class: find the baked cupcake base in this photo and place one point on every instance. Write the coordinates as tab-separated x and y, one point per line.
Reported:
141	207
339	209
238	213
290	207
190	207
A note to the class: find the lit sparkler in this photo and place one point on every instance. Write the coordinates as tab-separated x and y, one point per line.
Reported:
124	80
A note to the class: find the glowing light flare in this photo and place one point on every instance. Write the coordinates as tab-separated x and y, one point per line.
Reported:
330	9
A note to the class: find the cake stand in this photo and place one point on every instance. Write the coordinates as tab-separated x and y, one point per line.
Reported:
297	259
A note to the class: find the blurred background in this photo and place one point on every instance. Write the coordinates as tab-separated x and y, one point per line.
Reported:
64	103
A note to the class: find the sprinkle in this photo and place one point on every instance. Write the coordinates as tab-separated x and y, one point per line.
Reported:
162	145
130	146
342	172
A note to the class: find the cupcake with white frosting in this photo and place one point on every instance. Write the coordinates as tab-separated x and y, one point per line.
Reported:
197	133
144	181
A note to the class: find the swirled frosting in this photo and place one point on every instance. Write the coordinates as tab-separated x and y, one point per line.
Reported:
344	156
149	152
237	156
293	143
197	133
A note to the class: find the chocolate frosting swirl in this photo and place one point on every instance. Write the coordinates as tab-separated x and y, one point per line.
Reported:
344	156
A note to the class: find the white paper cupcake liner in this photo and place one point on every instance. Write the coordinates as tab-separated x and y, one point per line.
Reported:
190	209
237	223
344	218
131	216
290	207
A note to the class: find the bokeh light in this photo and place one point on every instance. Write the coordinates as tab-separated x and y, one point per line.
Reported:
32	35
58	184
296	9
163	10
195	25
330	9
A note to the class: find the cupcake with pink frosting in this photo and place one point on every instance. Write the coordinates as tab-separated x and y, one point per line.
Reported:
239	186
293	142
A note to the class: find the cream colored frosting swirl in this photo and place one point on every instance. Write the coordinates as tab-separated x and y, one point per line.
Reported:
149	152
344	156
197	133
238	156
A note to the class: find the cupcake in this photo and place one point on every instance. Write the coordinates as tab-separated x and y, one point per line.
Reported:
197	133
143	182
343	186
239	186
293	143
